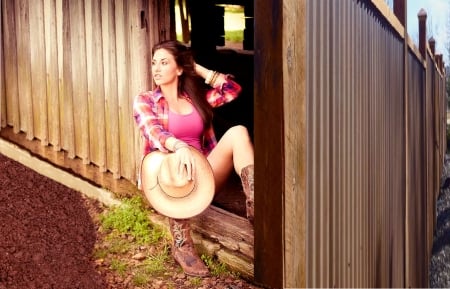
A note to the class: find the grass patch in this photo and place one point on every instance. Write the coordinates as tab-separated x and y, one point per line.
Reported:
131	218
127	231
234	35
131	245
140	279
216	267
119	266
196	281
156	263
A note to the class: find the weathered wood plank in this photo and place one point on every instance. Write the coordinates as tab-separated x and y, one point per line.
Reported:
294	81
79	79
10	65
65	79
109	21
124	82
140	81
159	21
38	71
95	88
51	57
24	67
142	73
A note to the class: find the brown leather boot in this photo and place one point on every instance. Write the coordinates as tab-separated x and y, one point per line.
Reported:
247	179
183	250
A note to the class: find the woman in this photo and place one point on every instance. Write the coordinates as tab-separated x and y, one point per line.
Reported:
177	114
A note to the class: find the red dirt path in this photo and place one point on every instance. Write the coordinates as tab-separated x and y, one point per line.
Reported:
46	233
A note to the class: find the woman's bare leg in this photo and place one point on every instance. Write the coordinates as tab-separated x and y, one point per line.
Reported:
233	151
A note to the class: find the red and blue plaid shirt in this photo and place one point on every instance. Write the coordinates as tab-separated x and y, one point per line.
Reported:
151	113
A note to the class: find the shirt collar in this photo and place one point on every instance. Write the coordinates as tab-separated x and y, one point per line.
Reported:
157	94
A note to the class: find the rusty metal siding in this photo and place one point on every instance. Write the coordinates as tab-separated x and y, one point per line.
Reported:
416	214
366	151
318	158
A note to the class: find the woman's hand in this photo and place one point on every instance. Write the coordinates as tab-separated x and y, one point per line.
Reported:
186	162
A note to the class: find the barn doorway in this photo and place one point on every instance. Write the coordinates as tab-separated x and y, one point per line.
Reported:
220	32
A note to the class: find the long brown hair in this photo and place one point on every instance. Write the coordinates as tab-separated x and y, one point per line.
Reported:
188	82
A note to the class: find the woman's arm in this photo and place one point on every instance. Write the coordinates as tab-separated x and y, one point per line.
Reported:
149	118
224	88
212	78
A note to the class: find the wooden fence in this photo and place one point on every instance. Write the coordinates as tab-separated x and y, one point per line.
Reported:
71	69
376	123
360	148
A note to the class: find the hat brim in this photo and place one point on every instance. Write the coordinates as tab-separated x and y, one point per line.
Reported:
179	208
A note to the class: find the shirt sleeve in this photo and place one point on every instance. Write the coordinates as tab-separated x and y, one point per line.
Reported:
149	118
224	93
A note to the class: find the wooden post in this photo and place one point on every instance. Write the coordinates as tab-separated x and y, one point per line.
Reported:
422	15
269	144
439	61
400	10
432	44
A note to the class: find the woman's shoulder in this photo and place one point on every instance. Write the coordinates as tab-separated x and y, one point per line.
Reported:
149	95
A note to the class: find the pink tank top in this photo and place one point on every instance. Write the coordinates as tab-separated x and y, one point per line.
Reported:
187	127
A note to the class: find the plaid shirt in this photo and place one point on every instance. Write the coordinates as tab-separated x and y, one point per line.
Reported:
151	113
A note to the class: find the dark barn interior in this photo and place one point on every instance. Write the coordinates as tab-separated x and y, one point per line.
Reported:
203	28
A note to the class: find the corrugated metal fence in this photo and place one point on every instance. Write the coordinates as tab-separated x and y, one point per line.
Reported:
375	148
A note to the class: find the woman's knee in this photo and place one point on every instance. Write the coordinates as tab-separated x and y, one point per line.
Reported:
237	131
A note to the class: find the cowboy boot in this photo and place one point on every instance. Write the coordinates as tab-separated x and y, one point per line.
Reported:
183	250
247	179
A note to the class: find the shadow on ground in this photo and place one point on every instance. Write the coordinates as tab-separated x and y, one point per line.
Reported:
46	233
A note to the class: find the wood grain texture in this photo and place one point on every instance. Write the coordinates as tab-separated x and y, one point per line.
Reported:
269	144
78	63
38	71
112	21
95	83
10	65
52	74
24	95
66	82
295	136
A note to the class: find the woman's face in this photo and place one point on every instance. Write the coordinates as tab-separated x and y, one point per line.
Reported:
164	68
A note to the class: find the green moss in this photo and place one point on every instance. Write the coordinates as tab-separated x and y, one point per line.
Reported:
131	218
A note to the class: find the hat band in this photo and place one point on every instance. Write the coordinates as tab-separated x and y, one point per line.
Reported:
176	192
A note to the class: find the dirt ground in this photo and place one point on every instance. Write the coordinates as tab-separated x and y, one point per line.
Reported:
48	233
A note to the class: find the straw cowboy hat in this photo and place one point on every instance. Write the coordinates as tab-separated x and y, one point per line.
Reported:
169	193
